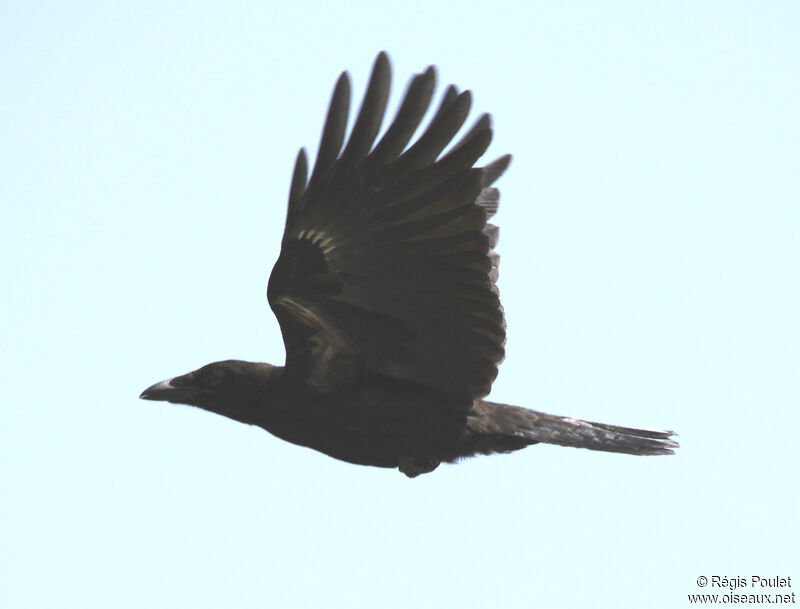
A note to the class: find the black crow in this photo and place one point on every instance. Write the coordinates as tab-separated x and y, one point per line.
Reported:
385	291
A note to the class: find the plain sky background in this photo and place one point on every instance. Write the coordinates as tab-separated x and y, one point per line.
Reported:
650	241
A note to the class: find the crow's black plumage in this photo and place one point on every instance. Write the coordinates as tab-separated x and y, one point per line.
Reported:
385	294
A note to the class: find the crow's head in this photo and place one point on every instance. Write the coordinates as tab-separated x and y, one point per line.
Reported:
231	388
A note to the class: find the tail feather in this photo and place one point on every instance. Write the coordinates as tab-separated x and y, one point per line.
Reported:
503	428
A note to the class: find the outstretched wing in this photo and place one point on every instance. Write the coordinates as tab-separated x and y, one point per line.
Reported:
386	261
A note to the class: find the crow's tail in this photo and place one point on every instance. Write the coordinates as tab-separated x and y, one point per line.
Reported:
502	428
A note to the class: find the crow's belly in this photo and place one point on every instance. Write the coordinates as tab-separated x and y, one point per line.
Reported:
377	425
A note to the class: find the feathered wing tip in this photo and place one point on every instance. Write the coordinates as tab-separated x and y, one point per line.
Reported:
373	108
412	109
390	152
333	132
299	178
495	169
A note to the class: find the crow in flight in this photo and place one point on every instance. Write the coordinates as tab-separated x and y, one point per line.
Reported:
386	298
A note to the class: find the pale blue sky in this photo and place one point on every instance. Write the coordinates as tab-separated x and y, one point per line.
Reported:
649	243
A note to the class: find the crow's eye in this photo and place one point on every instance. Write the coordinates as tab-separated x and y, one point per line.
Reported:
215	378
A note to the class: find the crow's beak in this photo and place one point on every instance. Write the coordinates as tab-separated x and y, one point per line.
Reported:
165	391
178	390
